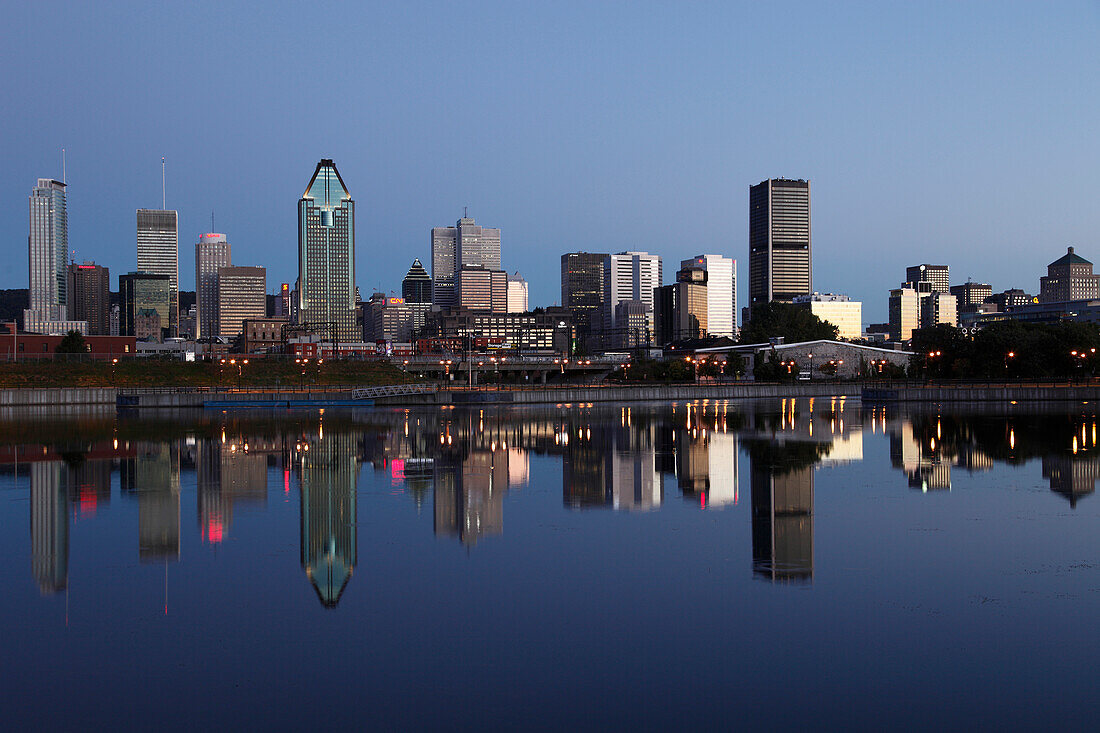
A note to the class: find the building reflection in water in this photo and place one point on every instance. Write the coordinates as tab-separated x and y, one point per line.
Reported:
227	474
613	466
153	476
328	469
782	521
49	526
469	494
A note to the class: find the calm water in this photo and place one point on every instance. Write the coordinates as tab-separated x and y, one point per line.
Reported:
774	564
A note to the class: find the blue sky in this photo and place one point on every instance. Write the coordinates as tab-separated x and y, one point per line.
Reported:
957	133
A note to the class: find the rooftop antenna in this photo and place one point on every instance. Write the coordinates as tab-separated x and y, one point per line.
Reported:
464	214
162	196
212	229
63	178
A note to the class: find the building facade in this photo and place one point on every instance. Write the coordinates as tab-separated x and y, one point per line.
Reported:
582	286
48	250
466	244
89	293
139	291
904	313
681	309
212	252
262	335
780	252
1069	278
158	253
417	285
326	253
629	276
971	293
387	319
517	294
482	289
937	277
546	332
721	292
242	294
838	310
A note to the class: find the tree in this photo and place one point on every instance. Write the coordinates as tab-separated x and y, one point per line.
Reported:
791	322
72	343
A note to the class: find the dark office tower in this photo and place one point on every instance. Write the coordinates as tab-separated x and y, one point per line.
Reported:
582	285
49	526
158	253
780	256
141	292
90	296
329	471
680	309
782	520
937	277
417	285
326	253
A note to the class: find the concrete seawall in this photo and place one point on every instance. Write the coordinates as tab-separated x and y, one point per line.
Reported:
983	393
52	396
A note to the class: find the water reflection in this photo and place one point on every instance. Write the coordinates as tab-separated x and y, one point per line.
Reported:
464	465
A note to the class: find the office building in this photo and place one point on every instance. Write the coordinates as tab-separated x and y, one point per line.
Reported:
212	252
326	254
464	245
721	292
387	319
47	254
89	294
937	277
138	291
242	294
417	285
517	294
780	254
158	253
680	309
938	308
633	328
838	310
547	332
971	293
1069	278
629	276
904	313
582	286
282	301
1011	298
482	289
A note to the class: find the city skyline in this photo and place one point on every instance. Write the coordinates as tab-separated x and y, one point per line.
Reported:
933	99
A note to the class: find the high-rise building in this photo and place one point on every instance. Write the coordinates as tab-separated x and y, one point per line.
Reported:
242	294
780	255
464	245
582	285
904	313
417	285
971	293
282	301
47	250
212	252
387	319
326	253
938	308
937	275
838	310
517	294
1069	278
48	246
482	289
629	276
158	253
139	291
90	297
721	292
680	309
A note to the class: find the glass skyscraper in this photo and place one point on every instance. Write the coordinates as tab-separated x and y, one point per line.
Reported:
326	254
49	248
158	253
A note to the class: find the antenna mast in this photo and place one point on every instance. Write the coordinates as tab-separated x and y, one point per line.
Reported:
63	179
162	196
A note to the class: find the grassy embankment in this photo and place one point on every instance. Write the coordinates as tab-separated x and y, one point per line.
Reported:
158	373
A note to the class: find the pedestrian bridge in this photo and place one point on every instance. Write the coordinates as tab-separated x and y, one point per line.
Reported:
391	390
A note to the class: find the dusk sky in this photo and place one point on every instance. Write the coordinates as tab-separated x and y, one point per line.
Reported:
956	133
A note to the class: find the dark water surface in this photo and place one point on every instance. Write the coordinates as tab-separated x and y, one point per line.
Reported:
775	564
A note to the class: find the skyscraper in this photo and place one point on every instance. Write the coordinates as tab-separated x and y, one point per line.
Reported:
158	253
629	276
937	277
1069	278
48	245
212	252
242	294
326	253
482	289
680	309
417	285
780	256
582	285
89	296
463	245
721	292
47	250
141	291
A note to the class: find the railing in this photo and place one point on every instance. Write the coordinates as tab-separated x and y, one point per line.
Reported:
391	390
